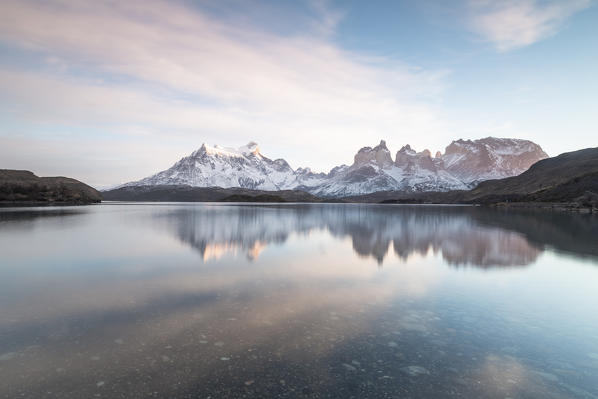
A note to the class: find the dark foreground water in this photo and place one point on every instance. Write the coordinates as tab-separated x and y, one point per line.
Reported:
322	301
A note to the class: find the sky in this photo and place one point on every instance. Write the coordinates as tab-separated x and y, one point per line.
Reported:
113	91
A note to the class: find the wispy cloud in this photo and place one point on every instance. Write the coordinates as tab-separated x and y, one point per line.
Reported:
511	24
170	69
327	17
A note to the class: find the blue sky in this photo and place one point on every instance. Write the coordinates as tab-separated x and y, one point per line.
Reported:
109	92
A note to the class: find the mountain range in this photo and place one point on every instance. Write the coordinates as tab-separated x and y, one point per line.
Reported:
463	165
567	181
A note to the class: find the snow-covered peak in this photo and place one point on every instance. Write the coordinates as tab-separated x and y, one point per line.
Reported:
217	150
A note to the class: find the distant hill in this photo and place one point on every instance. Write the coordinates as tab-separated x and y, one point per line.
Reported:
23	187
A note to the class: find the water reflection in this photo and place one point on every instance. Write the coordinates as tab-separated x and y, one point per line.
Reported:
462	236
111	302
572	233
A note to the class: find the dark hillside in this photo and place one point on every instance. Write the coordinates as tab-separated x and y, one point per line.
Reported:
23	187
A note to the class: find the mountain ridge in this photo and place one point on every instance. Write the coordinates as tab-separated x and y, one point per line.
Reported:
462	166
568	181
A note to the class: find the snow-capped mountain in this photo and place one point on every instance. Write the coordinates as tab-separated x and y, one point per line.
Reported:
463	164
490	158
215	166
374	170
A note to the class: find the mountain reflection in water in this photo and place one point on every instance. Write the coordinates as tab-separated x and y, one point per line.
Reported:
282	300
464	236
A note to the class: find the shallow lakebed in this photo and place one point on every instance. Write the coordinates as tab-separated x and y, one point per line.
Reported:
132	300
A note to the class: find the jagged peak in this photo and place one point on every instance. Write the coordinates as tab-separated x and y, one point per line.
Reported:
381	146
406	149
378	155
200	150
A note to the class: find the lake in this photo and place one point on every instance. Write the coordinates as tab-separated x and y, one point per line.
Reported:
199	300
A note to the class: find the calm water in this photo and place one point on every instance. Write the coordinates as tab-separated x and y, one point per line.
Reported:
330	301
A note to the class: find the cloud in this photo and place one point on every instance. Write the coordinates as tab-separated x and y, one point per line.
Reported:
175	70
512	24
328	18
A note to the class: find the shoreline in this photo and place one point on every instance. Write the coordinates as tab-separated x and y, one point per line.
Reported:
34	204
571	207
548	206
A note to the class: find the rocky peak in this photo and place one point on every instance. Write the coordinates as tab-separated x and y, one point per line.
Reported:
200	151
378	156
381	146
408	159
490	158
406	149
